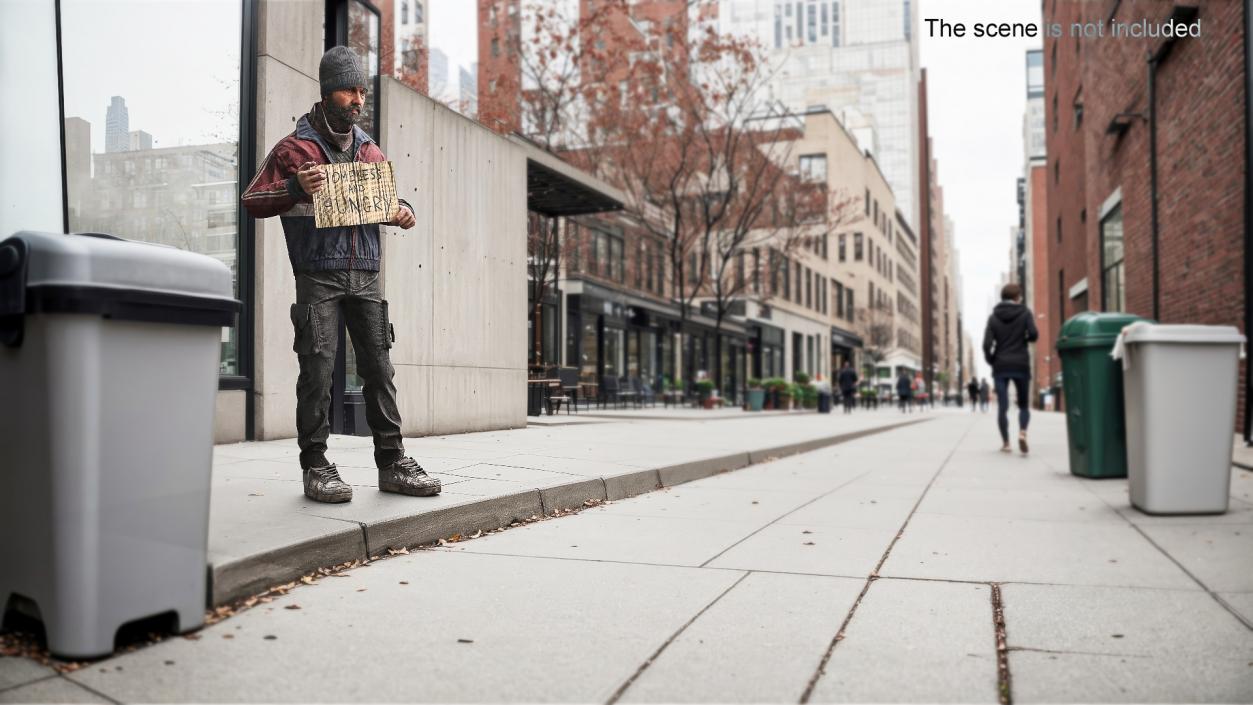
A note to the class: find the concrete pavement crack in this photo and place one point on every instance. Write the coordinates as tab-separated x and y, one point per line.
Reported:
617	695
839	635
1003	682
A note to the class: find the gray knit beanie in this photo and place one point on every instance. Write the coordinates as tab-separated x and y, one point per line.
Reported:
339	69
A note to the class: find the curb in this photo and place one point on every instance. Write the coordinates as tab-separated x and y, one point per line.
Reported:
243	577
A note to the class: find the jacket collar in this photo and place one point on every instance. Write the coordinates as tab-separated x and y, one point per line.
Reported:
305	131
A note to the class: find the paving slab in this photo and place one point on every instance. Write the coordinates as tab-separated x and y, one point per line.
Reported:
860	507
20	671
1084	678
1220	556
606	536
573	633
50	690
1059	503
915	641
760	643
1124	645
1018	550
711	502
823	551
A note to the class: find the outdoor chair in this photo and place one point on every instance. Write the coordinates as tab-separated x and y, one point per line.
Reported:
626	391
609	391
569	377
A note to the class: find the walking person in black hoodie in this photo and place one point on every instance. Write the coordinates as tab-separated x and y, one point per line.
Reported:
1010	328
848	386
905	392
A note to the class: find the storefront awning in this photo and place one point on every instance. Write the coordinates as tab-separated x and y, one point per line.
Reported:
845	339
555	188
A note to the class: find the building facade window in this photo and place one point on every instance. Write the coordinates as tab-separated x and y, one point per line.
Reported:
813	167
843	247
857	245
1113	284
138	164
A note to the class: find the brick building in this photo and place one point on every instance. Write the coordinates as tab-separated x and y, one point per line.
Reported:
1154	227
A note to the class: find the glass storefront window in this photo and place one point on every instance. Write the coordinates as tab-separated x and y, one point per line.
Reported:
648	357
615	350
633	354
152	127
588	355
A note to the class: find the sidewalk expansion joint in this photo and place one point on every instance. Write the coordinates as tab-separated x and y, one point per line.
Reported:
1003	683
1222	603
91	690
874	575
617	694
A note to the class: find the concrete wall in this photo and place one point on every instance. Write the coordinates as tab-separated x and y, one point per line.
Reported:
455	282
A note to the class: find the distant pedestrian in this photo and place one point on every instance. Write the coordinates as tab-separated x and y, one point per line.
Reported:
848	386
904	391
984	394
973	390
1011	328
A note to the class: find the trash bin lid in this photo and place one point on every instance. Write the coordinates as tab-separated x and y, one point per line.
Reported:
1093	329
105	275
1183	333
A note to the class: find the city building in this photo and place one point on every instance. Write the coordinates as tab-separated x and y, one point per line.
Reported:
468	90
840	55
1148	166
411	45
117	126
438	75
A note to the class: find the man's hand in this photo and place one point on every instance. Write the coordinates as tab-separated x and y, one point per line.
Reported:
311	178
404	218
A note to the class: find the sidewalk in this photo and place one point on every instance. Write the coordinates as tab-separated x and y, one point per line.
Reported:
917	564
264	532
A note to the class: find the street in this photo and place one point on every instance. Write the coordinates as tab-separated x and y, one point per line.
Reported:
784	581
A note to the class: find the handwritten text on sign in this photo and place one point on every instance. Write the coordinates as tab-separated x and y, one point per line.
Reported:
356	193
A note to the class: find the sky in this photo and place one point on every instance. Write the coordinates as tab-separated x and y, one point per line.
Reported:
976	91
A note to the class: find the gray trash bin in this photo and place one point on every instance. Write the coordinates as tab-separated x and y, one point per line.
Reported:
1179	385
109	356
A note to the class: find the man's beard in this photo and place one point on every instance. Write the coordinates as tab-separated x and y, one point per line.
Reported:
340	119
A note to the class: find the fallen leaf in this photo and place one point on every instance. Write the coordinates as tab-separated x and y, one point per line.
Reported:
292	606
269	637
810	543
192	637
477	534
1117	636
360	589
306	580
255	494
228	636
404	582
756	502
807	531
397	551
169	663
465	641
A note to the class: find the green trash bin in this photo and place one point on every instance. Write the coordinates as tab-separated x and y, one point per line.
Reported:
1092	388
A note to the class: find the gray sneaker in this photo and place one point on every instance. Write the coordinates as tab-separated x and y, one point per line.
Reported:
324	485
405	476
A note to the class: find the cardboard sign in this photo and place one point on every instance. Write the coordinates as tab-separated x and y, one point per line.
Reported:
356	193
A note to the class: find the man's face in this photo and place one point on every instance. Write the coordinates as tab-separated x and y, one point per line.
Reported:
345	105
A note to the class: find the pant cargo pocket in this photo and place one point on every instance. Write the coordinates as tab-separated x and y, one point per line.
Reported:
305	324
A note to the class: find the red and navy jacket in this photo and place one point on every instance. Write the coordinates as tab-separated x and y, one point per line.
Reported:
275	191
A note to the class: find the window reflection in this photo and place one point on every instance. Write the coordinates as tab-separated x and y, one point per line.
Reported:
152	126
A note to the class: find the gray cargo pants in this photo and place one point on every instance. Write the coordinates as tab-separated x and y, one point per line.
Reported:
315	316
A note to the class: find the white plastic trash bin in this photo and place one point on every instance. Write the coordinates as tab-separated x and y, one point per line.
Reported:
1179	386
109	360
